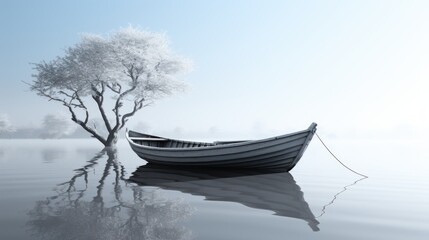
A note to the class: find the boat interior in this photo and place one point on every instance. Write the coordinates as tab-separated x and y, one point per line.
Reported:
155	141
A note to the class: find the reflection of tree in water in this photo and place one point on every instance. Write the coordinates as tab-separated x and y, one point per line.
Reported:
142	214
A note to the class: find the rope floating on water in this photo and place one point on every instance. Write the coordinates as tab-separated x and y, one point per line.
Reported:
339	159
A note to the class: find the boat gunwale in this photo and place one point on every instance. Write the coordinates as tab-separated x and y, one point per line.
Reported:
310	129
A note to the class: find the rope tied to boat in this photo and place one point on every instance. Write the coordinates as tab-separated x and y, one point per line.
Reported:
339	159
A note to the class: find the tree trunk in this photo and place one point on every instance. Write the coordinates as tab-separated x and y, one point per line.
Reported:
112	139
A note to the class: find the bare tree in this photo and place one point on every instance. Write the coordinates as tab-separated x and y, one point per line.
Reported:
130	64
5	125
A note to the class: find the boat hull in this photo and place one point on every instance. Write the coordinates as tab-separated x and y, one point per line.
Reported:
278	152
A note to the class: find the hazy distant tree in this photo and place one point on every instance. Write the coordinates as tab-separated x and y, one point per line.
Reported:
56	127
129	64
5	125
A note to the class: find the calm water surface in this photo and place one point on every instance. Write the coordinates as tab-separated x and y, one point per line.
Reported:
70	189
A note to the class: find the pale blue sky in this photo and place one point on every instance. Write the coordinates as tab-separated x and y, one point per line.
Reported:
358	68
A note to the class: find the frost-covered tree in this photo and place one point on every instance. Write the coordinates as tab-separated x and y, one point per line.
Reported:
5	125
54	126
128	65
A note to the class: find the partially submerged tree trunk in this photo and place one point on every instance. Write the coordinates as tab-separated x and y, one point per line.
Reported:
112	139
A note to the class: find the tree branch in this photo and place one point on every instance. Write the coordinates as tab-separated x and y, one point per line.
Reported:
99	98
113	88
74	118
138	104
86	127
118	103
83	106
72	98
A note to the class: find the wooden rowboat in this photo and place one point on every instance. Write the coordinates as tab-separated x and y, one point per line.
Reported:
277	152
268	189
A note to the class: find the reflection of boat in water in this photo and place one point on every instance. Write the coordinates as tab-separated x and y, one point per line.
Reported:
277	152
269	190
